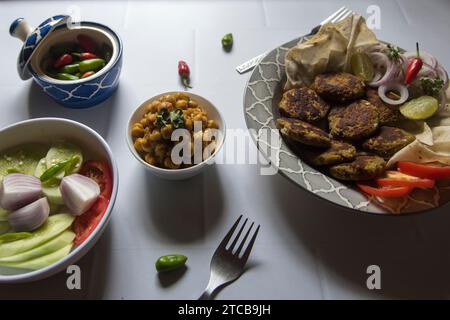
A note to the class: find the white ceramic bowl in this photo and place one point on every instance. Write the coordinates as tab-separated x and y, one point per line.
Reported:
48	130
185	173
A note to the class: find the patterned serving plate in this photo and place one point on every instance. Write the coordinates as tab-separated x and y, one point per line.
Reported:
261	97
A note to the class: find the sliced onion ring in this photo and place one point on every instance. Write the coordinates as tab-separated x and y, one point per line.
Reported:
425	56
442	74
391	72
400	88
427	71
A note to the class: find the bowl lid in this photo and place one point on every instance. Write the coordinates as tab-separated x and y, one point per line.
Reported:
32	38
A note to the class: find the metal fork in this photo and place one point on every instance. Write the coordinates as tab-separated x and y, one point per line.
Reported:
339	15
227	264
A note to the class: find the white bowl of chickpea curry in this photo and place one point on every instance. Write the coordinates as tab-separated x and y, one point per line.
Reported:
176	134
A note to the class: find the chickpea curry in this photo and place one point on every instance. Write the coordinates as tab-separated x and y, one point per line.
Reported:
153	135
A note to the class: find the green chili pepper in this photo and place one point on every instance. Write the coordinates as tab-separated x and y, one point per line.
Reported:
68	169
70	68
91	65
170	262
8	237
78	74
66	76
227	41
67	165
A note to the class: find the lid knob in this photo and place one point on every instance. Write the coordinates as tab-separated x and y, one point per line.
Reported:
20	29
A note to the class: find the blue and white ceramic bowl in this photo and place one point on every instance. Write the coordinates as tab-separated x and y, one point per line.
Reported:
82	93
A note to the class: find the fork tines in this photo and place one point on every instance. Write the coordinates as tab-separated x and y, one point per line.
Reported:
232	247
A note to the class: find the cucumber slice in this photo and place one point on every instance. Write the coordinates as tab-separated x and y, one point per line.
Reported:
42	261
22	159
420	108
53	245
54	225
53	195
40	168
63	151
3	215
4	227
55	208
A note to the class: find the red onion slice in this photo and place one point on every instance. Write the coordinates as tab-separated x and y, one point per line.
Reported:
427	71
380	59
31	216
442	74
18	190
400	88
79	193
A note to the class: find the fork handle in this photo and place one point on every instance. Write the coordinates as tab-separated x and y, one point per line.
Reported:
207	294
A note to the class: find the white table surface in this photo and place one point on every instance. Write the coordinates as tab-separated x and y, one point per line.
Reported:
307	249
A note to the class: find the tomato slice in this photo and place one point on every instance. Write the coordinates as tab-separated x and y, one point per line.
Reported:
88	221
426	171
100	172
398	179
386	192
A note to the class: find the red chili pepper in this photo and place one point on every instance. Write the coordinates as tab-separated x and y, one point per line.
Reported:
184	72
86	43
87	74
87	56
413	67
62	61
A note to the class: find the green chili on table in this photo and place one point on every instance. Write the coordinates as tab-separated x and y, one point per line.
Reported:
170	262
227	41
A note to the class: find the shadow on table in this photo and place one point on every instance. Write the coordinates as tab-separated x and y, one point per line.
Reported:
98	117
166	279
177	210
412	251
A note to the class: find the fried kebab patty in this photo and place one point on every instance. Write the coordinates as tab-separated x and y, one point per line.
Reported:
388	141
339	87
388	115
304	104
362	168
338	152
356	121
303	132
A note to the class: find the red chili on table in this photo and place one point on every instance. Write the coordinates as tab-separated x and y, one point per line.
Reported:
413	67
184	72
62	61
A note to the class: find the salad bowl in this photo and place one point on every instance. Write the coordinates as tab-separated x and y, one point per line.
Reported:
49	131
38	43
